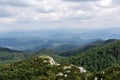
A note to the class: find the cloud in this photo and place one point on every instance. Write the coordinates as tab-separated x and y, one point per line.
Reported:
116	2
18	3
6	20
37	14
81	0
5	13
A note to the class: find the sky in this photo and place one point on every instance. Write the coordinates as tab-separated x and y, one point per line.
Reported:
55	14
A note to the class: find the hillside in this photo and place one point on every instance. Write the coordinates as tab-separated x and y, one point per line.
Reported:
9	55
45	68
42	68
86	47
98	58
47	52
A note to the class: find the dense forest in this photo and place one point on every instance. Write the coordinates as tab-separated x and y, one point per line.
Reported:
42	68
9	55
111	73
98	58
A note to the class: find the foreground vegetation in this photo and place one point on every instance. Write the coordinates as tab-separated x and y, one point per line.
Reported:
41	68
111	73
44	68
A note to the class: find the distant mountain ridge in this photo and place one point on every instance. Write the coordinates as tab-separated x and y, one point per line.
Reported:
35	39
39	44
59	33
8	50
87	46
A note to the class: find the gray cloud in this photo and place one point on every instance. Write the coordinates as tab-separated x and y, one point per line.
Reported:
17	3
5	13
116	1
81	0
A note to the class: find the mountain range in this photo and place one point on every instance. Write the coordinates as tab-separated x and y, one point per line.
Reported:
95	51
63	34
56	39
34	45
101	61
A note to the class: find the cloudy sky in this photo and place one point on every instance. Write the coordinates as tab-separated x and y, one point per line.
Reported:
51	14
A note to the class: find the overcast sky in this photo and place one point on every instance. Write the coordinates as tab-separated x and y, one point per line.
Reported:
50	14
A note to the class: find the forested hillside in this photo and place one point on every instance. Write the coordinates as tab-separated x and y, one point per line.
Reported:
98	58
86	47
49	52
111	73
9	55
42	68
45	68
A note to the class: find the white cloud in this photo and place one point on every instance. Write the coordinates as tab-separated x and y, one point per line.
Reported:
105	2
59	13
6	20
